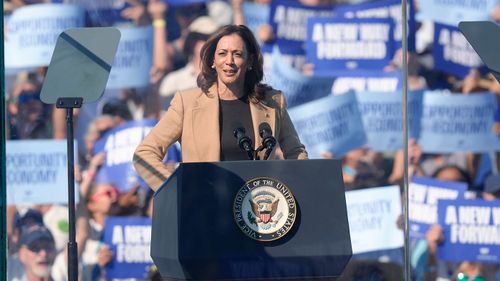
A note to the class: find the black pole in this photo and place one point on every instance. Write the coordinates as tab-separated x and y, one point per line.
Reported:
69	104
3	167
72	245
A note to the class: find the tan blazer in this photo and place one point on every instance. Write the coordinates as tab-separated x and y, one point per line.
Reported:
193	120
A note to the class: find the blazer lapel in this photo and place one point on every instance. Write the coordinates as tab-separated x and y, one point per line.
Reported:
206	126
261	113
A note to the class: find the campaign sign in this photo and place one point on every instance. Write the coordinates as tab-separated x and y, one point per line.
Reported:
372	214
471	230
383	9
133	59
255	15
382	115
332	124
458	123
367	81
129	238
343	44
297	87
119	145
31	32
99	5
424	194
184	2
37	172
451	51
288	20
103	12
453	11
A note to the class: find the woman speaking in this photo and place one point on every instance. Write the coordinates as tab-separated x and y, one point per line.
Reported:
229	111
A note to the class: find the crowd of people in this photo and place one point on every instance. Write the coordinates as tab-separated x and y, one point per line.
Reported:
38	234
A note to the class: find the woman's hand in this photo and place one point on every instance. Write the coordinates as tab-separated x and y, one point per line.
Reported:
265	33
157	9
130	198
434	236
104	256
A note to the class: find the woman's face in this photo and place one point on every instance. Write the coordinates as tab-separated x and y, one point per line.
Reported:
231	60
103	198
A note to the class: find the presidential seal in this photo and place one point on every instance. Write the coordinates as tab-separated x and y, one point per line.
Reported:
264	209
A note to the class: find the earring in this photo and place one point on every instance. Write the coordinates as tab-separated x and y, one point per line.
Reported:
213	66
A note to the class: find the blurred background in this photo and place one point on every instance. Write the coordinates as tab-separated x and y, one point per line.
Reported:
339	65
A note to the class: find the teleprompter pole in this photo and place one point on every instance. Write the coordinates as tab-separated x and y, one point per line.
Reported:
69	104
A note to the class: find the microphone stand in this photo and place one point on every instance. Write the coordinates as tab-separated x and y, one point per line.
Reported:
251	154
268	148
245	143
268	141
268	152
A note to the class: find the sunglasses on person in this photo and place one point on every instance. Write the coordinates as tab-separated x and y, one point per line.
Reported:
464	277
44	244
27	96
111	193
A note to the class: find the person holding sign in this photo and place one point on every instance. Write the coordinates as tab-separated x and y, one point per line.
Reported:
230	98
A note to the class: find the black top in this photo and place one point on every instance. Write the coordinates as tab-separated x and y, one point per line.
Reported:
234	114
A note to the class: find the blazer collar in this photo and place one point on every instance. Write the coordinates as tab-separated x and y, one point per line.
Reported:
205	126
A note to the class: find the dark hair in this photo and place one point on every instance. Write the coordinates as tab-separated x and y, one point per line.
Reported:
117	107
208	76
464	176
31	217
190	42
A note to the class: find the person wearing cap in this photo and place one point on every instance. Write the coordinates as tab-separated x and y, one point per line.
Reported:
230	96
30	217
36	255
185	77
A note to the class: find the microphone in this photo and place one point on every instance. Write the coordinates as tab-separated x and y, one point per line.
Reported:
244	142
268	141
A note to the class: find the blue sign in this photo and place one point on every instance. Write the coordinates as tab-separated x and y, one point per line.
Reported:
372	213
37	172
133	59
31	32
184	2
383	118
104	13
453	12
119	145
129	238
458	123
288	20
367	81
343	44
452	53
296	87
384	9
471	229
255	15
330	124
424	194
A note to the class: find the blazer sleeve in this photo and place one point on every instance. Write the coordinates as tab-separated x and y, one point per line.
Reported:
149	155
288	139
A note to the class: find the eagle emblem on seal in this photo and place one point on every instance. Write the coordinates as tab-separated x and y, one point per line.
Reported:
264	207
